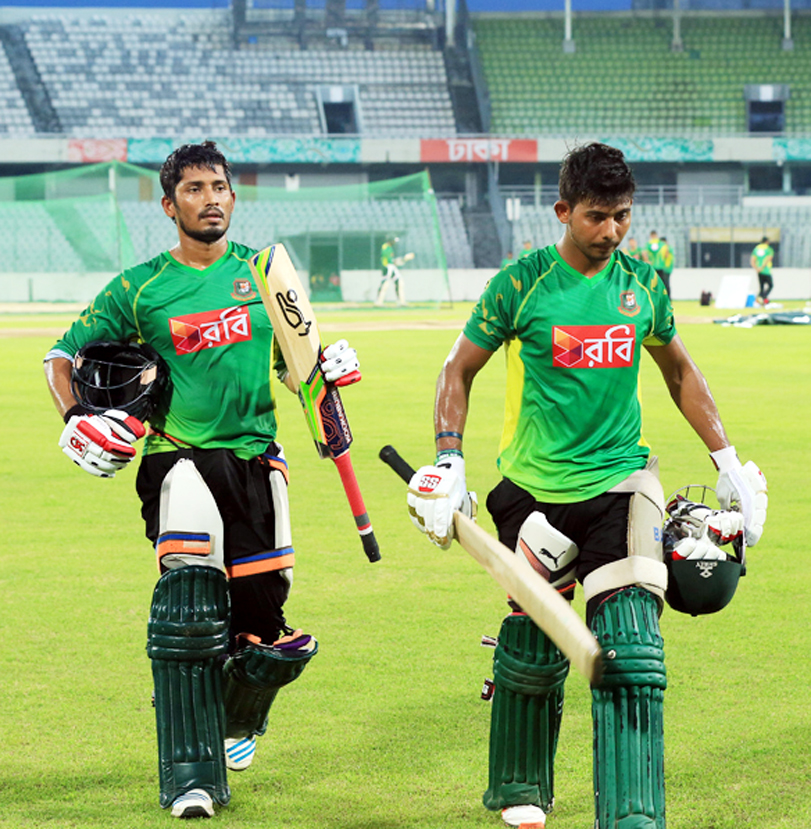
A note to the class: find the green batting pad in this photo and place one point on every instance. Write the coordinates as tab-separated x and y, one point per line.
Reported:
253	677
529	673
627	707
186	640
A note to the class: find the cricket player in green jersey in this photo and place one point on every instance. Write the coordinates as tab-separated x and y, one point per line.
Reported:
668	263
633	250
654	255
579	479
390	272
212	479
762	260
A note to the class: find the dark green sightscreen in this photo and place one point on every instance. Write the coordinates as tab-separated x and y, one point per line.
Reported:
102	218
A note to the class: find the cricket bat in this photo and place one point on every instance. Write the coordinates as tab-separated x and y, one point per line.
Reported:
296	330
401	260
536	597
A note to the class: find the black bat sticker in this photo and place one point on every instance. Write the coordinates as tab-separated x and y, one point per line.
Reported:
292	313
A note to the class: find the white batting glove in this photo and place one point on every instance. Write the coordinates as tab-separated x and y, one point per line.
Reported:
698	548
101	444
744	486
435	493
339	364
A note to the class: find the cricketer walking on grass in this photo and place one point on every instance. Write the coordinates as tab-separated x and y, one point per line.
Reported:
184	342
580	480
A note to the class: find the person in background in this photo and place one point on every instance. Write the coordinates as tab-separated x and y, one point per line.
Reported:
667	260
633	250
762	260
652	254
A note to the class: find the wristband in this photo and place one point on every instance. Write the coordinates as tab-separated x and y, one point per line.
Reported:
457	435
725	459
78	409
447	453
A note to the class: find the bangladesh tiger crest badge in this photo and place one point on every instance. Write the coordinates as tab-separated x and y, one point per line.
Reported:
628	304
243	289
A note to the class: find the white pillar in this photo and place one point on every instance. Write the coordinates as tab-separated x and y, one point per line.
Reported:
788	43
568	43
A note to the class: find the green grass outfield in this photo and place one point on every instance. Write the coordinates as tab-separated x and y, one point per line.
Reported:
385	729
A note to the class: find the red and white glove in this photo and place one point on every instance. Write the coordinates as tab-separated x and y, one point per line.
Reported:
101	443
698	548
339	364
697	520
744	486
435	493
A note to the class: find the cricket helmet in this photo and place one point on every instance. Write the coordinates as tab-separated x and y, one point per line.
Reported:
700	586
131	377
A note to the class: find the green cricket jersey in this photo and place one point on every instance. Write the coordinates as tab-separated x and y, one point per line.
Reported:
667	259
655	254
213	332
386	255
573	426
763	255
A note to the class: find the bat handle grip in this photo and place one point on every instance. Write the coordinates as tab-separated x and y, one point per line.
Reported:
389	455
364	525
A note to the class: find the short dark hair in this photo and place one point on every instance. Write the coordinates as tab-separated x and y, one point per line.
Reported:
764	239
595	173
205	156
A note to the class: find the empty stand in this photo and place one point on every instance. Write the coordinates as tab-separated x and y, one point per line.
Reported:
139	76
624	79
14	117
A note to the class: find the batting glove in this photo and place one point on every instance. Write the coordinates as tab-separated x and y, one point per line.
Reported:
101	444
696	520
698	548
744	486
435	493
339	364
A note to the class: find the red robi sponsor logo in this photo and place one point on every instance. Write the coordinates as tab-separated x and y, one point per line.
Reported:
593	346
209	329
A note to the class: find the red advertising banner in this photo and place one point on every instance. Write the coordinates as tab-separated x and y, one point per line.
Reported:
479	149
96	150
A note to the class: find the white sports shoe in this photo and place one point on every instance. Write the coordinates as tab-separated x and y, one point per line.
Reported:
194	803
524	817
239	752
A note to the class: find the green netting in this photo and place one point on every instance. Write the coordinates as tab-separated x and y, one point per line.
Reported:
102	218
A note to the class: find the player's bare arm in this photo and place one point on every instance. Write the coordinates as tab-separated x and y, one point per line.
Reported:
57	375
744	485
437	491
453	390
690	392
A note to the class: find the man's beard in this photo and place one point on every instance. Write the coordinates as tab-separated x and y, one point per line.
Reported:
208	235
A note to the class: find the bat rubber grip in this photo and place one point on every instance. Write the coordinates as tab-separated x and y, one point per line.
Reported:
364	525
389	455
371	547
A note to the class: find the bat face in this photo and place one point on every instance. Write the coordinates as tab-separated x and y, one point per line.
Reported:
296	332
289	310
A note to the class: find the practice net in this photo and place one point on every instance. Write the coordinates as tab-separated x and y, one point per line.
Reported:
70	231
